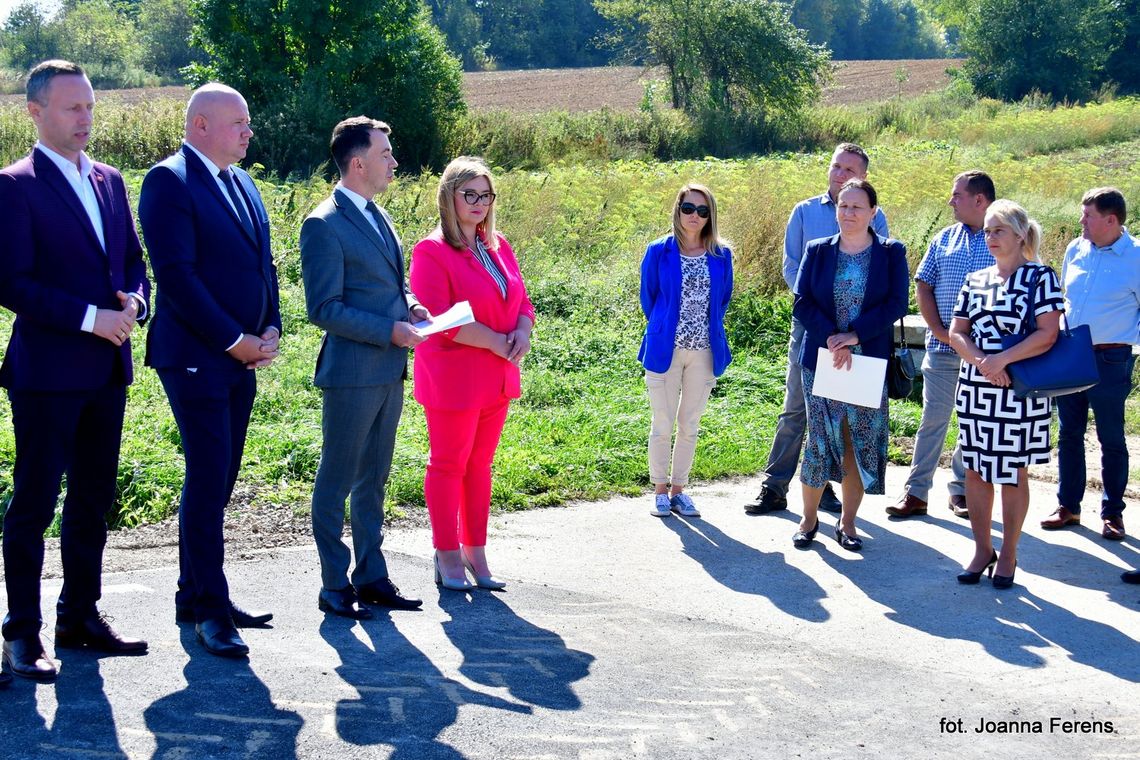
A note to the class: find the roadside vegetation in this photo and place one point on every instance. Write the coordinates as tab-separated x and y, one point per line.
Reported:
580	228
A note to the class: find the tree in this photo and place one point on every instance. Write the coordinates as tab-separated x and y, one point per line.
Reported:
1124	65
165	27
726	55
1058	47
99	36
28	36
303	65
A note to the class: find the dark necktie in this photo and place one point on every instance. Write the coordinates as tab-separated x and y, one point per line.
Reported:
382	225
239	206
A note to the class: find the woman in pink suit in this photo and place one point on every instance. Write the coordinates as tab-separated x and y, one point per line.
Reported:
465	378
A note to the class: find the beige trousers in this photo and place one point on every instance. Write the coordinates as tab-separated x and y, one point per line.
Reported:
677	397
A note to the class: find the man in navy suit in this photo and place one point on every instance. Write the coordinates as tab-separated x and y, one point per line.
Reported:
73	273
216	319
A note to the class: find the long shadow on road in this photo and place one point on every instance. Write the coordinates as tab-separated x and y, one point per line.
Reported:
405	701
224	711
83	723
742	568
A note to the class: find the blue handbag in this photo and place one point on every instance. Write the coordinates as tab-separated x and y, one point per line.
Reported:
1069	366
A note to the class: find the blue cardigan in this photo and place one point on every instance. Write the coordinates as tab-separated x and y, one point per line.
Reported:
661	303
885	298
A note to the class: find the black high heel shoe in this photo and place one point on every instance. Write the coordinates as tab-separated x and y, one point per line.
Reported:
1005	581
802	539
970	578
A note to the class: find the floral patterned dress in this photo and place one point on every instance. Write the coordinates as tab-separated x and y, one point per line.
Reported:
823	454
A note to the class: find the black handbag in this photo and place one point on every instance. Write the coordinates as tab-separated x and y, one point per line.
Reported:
900	368
1069	366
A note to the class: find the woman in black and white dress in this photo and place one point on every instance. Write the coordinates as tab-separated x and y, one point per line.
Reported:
1000	434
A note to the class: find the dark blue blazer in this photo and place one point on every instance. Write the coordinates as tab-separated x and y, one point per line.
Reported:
885	299
215	281
52	267
661	303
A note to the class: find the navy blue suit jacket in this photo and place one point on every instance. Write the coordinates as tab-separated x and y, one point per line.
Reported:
53	267
885	298
215	282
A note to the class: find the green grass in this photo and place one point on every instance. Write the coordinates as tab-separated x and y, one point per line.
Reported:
580	429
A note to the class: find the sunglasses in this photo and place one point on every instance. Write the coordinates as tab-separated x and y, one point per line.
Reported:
477	199
701	211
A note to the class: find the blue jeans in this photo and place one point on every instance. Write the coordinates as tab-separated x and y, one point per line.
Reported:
790	427
1106	399
939	381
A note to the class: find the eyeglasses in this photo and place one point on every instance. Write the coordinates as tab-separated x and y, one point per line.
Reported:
473	198
689	208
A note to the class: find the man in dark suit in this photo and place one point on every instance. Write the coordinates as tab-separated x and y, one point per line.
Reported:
73	272
216	319
353	266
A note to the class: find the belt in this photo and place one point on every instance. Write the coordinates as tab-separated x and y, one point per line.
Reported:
1107	346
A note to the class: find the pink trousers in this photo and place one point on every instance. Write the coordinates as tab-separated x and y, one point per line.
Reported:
457	484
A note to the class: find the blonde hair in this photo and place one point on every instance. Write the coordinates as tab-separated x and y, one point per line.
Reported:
1017	219
456	174
709	237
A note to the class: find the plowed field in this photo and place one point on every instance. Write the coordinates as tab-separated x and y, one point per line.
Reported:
622	87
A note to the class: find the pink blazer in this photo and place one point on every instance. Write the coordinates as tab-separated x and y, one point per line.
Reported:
450	375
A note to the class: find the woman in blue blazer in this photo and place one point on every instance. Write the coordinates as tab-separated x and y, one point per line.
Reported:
851	288
686	283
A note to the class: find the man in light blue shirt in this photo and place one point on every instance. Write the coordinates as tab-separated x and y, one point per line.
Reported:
1101	277
953	253
811	219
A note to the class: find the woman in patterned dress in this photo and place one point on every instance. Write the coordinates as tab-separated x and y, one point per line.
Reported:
851	288
1000	434
686	283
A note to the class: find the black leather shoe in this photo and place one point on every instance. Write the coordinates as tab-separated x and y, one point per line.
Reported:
342	602
384	593
25	658
767	501
829	502
220	637
184	613
1132	576
95	633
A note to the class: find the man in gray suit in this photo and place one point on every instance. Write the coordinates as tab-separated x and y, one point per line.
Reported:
353	267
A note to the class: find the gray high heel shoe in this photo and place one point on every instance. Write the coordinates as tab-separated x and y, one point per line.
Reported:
489	582
452	584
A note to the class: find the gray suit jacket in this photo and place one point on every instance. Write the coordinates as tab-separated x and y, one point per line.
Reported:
355	291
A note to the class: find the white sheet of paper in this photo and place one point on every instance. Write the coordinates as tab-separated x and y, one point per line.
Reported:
457	316
861	385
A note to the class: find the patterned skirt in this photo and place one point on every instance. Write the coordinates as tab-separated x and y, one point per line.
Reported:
998	432
823	452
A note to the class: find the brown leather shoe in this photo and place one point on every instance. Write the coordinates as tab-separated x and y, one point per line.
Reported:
26	658
1114	528
958	506
1060	518
908	506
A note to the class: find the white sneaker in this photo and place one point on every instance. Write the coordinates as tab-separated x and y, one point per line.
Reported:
660	505
684	506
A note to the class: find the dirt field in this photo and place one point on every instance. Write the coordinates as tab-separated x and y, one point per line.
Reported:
622	87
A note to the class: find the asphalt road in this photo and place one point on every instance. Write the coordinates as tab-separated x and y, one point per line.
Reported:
625	636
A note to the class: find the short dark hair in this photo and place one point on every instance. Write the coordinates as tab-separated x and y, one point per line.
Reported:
1107	200
978	183
857	150
352	137
39	78
865	186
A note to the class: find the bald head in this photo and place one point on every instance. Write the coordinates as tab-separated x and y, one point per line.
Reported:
217	123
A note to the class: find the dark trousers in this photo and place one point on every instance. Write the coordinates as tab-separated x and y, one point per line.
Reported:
212	409
358	427
77	434
1106	399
